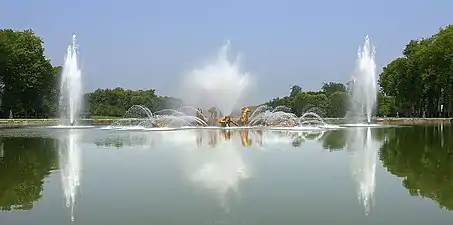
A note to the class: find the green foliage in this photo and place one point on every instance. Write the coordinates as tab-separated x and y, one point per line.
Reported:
422	79
338	102
332	87
423	157
115	102
29	83
334	140
386	105
23	167
295	89
26	76
330	102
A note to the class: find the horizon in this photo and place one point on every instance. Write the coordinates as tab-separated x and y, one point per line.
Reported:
150	45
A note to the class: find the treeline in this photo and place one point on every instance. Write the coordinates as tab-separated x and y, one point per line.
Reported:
331	101
29	84
420	82
115	102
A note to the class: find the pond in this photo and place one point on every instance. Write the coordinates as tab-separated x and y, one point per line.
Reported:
391	175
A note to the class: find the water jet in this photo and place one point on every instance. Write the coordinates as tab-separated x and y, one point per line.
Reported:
71	87
364	88
220	83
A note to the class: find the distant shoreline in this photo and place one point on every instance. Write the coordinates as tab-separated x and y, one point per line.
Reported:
23	123
398	120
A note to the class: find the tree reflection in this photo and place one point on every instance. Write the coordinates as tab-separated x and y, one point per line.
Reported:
334	140
24	163
423	157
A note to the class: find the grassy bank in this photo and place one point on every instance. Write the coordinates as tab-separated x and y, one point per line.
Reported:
100	120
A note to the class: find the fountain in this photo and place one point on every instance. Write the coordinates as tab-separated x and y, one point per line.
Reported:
364	90
139	117
69	161
218	84
265	115
133	117
71	87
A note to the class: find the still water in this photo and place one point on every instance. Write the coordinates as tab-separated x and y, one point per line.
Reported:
399	175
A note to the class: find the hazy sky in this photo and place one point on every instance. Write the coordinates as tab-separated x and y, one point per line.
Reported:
152	44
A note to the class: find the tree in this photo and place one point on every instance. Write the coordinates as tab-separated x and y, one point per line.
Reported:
338	104
115	102
332	87
314	102
26	76
386	105
421	81
295	89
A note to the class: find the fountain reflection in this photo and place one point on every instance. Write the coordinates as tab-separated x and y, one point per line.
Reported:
126	139
219	171
70	166
199	138
364	150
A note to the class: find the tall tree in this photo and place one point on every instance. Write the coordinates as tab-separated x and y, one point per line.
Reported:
26	76
421	81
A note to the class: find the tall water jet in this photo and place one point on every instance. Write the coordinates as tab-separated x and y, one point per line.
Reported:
220	83
69	161
364	90
71	87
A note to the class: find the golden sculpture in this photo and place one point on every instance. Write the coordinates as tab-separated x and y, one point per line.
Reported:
244	120
226	121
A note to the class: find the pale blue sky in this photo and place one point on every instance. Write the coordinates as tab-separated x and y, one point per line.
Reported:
151	44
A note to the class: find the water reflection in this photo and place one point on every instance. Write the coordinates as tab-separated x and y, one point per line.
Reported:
24	163
126	139
213	160
423	157
218	167
205	137
69	161
219	171
364	150
334	140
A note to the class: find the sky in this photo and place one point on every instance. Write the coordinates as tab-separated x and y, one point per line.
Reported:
155	44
